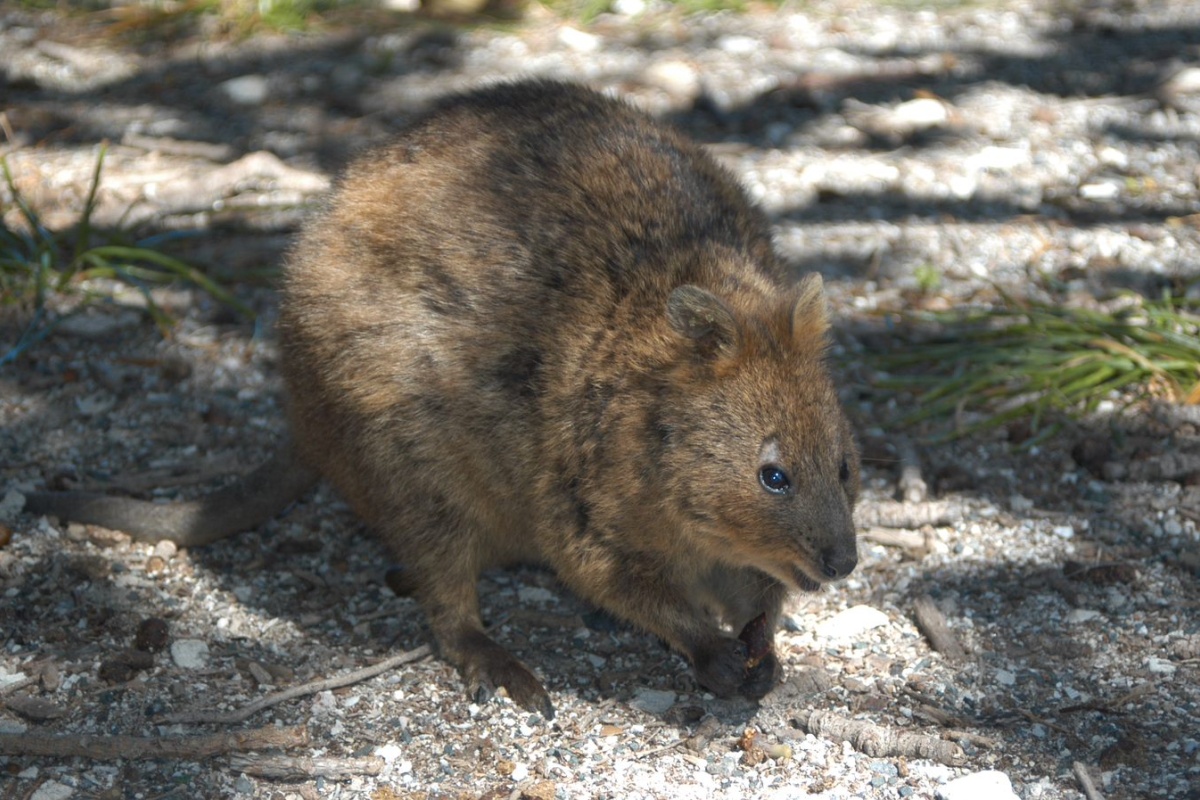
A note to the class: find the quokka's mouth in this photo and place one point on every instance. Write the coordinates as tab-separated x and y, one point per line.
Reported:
803	581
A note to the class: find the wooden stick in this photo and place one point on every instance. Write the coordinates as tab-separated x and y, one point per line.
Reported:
287	768
878	741
915	543
1086	785
932	623
245	712
188	748
912	486
891	514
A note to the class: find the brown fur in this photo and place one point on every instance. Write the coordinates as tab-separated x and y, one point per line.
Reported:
540	327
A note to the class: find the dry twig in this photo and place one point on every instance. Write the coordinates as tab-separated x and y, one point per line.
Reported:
916	544
878	741
932	623
1086	785
891	514
189	748
287	768
271	700
912	486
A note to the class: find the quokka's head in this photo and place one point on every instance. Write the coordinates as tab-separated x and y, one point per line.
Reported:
762	462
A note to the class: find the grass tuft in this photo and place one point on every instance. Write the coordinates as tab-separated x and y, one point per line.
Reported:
37	264
1034	361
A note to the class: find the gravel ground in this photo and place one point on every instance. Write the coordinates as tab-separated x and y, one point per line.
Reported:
1052	150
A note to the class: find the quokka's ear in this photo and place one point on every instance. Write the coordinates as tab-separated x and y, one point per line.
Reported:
810	313
704	318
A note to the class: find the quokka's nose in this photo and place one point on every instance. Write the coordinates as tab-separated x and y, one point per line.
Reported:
838	563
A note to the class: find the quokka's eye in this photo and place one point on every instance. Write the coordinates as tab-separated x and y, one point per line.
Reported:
774	479
844	471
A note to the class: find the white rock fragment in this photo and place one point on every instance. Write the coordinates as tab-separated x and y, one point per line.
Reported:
535	594
851	623
1160	666
165	549
52	790
628	8
1005	678
919	114
999	159
738	45
93	405
677	78
389	752
653	701
1064	531
1078	616
1099	191
12	726
189	653
246	90
577	40
520	772
324	703
12	504
988	785
1019	504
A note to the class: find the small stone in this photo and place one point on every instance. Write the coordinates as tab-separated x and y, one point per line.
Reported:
653	701
924	112
677	78
1064	531
543	790
519	772
1005	678
577	40
1160	666
535	594
165	549
51	677
1020	504
246	90
852	622
1078	616
1099	191
12	504
34	708
52	790
987	785
189	653
155	565
12	726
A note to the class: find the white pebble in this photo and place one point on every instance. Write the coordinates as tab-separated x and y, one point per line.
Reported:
1099	191
1078	616
988	785
577	40
1160	666
851	623
52	790
246	90
189	653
